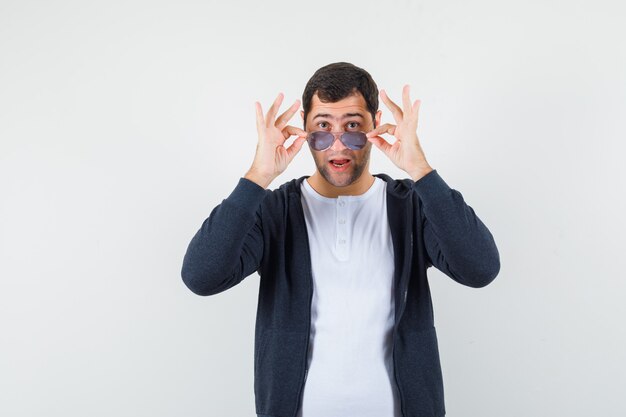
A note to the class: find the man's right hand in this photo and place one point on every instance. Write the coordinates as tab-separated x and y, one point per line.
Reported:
272	157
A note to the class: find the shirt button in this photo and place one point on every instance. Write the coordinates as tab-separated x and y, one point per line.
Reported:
342	203
342	241
342	221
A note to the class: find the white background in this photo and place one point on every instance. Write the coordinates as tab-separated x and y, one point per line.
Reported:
123	123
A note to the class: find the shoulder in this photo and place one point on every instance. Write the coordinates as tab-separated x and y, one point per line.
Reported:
279	197
402	187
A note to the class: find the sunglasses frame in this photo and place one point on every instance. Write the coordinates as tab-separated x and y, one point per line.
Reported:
341	138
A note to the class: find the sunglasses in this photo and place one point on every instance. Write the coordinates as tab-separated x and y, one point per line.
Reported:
321	140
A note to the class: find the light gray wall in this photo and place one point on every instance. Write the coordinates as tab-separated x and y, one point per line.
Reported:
123	123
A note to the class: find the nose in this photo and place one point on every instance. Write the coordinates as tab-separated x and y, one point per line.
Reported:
337	144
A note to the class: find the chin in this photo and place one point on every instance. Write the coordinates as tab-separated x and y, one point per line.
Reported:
342	180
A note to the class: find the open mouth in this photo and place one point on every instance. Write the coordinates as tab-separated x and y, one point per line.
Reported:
339	164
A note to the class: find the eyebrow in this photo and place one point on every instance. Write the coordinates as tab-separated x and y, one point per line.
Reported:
345	116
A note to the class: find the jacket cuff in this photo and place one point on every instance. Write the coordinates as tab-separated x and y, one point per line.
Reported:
247	196
431	188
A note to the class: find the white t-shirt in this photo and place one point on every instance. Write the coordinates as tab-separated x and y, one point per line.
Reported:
352	312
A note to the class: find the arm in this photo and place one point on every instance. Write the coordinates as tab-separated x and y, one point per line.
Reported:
457	242
229	245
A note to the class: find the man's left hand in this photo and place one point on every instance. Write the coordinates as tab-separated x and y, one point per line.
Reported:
406	152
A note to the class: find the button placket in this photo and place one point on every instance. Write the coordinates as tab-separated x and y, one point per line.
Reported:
342	229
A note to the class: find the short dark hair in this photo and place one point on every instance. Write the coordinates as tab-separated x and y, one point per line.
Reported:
337	81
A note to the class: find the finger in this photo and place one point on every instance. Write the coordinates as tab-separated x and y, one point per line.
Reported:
396	111
385	128
416	109
287	115
406	100
271	113
381	144
295	147
292	130
259	116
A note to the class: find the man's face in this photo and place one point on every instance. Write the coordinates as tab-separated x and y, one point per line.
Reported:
339	165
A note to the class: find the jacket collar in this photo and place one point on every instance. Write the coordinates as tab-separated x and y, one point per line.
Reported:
397	188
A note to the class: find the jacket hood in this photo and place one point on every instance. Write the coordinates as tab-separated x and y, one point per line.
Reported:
398	188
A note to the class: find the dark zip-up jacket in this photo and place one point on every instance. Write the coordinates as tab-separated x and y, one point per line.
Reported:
264	231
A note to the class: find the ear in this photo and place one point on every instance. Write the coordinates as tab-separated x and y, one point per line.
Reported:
302	114
378	116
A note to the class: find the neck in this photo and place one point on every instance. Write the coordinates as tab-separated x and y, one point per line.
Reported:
323	187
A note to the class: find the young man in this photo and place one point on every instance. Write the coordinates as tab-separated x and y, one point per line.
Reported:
345	323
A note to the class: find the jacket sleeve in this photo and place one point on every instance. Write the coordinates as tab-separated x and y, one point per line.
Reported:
457	242
229	245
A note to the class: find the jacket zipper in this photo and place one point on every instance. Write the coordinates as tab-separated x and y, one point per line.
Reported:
395	364
393	351
308	333
306	350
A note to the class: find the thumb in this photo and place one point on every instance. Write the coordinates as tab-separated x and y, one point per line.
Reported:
295	147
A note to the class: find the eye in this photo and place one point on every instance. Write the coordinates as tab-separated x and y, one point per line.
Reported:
322	123
355	124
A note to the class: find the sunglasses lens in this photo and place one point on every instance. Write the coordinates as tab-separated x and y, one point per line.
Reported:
321	140
354	140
